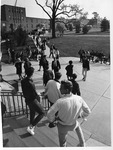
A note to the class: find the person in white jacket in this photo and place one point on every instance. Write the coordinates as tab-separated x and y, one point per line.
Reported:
52	91
69	107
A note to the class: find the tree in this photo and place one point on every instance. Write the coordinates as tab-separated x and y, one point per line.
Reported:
70	26
39	26
78	28
85	29
20	36
105	25
96	15
60	27
57	8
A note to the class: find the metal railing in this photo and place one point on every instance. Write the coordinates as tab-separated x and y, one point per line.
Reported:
15	104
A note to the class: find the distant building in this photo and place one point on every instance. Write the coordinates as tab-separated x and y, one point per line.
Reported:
13	16
31	23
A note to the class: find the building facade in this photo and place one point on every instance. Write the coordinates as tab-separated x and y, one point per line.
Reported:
31	23
12	16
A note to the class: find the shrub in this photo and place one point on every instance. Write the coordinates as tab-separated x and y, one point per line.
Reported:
20	36
104	25
85	29
78	28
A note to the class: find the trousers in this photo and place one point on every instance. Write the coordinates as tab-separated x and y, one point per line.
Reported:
36	107
63	132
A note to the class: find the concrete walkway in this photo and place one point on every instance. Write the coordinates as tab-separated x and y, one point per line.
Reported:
95	91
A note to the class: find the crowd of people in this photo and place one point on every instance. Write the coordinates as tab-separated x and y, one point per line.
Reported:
94	56
66	103
64	96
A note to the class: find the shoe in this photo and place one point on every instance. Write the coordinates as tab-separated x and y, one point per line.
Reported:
81	145
30	130
84	79
79	116
5	141
51	125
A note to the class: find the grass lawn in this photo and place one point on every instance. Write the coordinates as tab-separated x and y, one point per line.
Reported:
70	44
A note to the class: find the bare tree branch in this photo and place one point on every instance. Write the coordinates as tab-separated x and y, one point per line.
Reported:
73	9
58	4
43	9
48	4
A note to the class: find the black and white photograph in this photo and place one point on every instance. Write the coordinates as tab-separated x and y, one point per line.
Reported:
55	74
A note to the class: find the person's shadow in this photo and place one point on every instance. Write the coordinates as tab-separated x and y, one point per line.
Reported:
5	141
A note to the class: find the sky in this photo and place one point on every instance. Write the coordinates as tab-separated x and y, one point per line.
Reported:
103	7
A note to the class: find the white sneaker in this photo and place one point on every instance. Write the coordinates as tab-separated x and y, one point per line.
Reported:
30	130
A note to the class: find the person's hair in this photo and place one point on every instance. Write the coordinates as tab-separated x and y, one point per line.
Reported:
74	76
58	75
67	85
30	71
26	59
70	62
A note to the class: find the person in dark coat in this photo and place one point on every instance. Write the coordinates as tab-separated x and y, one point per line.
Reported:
18	66
32	99
27	64
13	56
55	65
75	89
85	67
45	63
69	70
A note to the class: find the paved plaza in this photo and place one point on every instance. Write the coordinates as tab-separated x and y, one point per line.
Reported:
95	91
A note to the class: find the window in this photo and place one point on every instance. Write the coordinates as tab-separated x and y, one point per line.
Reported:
3	24
10	17
31	20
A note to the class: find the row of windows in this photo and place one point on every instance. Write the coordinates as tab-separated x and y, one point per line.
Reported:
37	21
16	10
31	25
16	18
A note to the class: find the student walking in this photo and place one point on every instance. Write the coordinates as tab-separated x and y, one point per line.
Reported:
55	65
75	89
85	67
52	51
68	108
18	65
56	53
52	91
47	75
69	70
27	65
32	100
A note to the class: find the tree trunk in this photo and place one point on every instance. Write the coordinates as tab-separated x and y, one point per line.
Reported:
53	28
